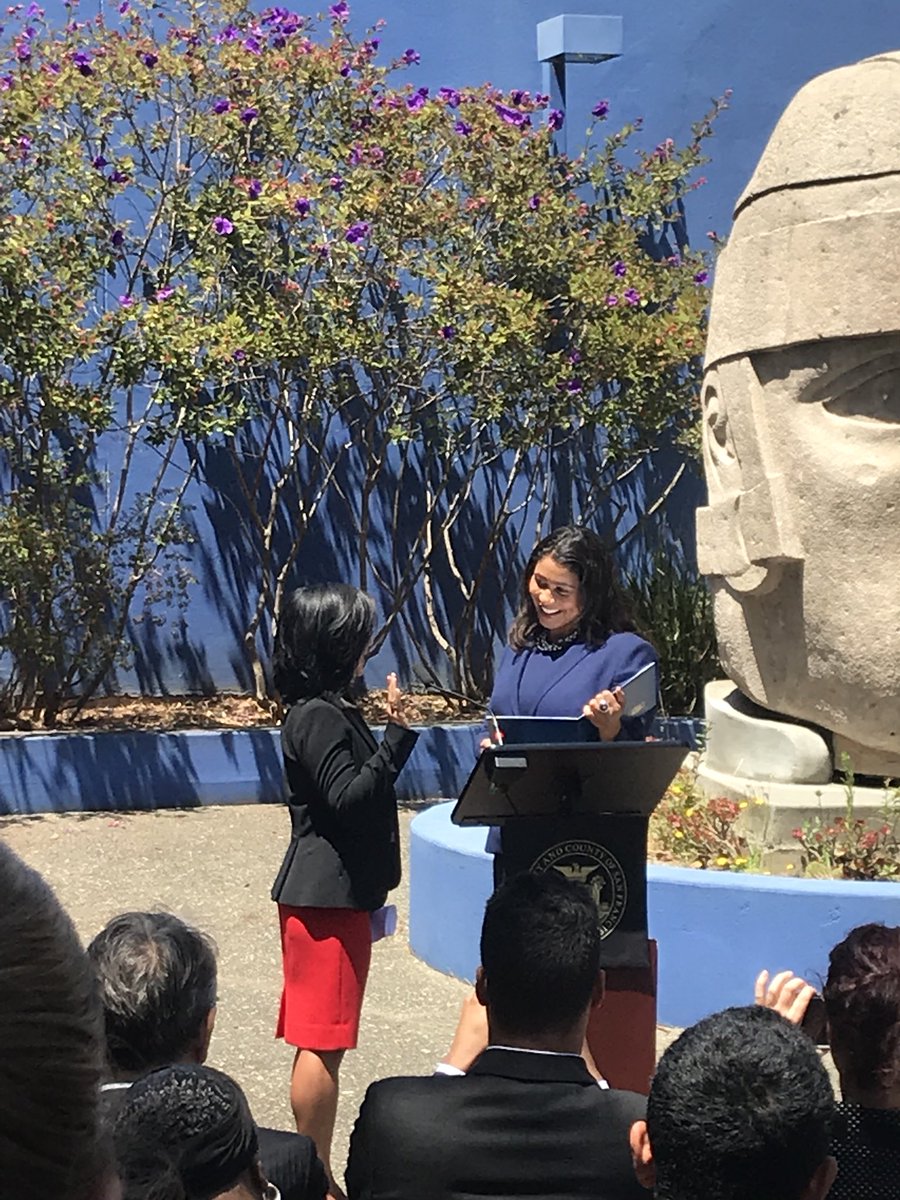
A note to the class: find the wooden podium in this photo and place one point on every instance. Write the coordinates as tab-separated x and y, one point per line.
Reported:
581	809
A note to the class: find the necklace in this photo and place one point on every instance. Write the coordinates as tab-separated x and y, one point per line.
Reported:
545	645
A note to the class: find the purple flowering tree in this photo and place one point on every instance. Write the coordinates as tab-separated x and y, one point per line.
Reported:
246	244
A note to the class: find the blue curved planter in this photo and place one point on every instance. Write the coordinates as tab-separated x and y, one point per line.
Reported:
715	930
104	772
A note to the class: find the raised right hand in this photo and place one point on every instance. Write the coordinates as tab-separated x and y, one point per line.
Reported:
787	993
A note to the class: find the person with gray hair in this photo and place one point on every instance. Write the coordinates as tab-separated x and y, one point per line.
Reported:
158	980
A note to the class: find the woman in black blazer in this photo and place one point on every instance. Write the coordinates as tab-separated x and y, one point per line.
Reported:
344	854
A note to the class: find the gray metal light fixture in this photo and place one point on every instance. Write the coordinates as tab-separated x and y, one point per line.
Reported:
574	38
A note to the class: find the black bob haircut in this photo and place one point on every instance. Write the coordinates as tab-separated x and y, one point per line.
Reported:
321	635
540	950
740	1108
584	553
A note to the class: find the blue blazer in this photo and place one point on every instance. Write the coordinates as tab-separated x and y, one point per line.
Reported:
530	683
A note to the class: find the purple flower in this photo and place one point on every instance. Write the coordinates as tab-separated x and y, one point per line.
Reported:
340	12
254	189
229	34
619	269
118	177
575	356
450	96
555	118
463	128
357	231
345	69
33	10
6	83
518	96
249	115
164	293
355	156
534	203
124	7
82	61
221	105
149	59
611	301
222	226
239	356
54	68
701	277
126	301
574	385
99	162
251	45
302	206
417	99
511	116
447	332
600	109
25	145
631	296
23	52
541	100
336	183
370	46
410	57
117	237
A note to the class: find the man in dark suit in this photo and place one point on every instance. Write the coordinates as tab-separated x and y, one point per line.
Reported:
527	1119
157	982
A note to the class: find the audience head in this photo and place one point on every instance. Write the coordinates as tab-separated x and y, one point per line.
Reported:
583	554
862	1003
540	957
740	1108
186	1133
51	1057
157	982
322	634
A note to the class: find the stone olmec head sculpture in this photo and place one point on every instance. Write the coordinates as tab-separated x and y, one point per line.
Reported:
801	405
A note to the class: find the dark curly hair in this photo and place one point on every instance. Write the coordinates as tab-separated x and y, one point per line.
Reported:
862	1003
322	633
583	553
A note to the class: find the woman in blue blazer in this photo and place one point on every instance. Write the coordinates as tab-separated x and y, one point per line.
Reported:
571	645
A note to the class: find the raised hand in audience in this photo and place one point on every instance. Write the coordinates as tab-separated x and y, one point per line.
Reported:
786	993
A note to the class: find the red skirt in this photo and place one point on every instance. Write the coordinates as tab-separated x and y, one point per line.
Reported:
325	955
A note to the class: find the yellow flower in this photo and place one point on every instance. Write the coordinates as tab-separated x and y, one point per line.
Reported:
789	867
758	800
742	804
740	861
722	861
678	833
689	812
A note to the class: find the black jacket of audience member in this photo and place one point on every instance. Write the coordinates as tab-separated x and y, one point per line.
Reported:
345	843
518	1124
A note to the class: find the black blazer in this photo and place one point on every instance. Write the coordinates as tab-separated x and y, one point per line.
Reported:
339	785
534	1126
289	1160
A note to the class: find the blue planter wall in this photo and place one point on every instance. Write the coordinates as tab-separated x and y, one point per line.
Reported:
715	930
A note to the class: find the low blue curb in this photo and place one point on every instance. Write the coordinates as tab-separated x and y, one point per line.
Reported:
105	772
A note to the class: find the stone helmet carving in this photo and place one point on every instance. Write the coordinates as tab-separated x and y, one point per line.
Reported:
801	412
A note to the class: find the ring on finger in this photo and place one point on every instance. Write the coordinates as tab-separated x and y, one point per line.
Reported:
603	706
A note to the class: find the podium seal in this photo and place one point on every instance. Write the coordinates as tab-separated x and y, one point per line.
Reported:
588	862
